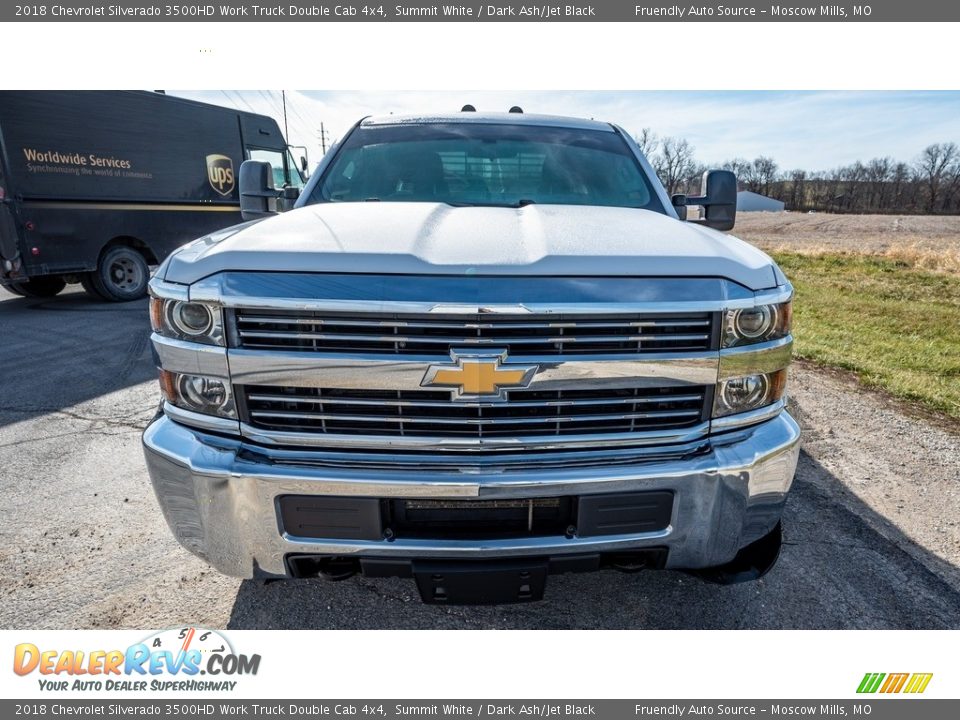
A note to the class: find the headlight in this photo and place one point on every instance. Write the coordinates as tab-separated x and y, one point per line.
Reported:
190	318
194	321
198	393
761	323
748	392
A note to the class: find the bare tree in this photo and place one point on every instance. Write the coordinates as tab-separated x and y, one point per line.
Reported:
765	172
674	163
833	189
693	183
878	175
648	142
854	179
798	189
899	181
931	184
933	166
739	167
952	186
749	178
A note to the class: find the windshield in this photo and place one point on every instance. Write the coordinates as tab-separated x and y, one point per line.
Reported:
476	164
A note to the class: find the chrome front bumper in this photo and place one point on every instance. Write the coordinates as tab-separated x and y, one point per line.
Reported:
219	497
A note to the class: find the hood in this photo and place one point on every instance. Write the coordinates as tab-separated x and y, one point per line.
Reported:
437	239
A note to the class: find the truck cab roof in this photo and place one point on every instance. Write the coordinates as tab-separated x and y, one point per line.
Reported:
489	118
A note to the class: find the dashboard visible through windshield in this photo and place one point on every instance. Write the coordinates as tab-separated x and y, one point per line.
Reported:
474	164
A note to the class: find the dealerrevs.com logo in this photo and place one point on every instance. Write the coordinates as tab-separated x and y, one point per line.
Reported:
169	660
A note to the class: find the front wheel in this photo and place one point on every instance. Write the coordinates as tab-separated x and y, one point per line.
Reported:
751	563
121	276
39	287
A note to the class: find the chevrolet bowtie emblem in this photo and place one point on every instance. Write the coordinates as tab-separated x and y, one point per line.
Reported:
479	375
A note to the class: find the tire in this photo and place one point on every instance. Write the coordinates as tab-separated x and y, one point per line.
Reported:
86	282
751	563
39	287
121	276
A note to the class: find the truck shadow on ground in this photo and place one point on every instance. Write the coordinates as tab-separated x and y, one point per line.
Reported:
63	351
836	571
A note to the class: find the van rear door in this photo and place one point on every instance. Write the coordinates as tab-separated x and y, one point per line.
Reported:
9	250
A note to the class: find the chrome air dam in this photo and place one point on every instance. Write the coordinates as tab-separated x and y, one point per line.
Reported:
219	495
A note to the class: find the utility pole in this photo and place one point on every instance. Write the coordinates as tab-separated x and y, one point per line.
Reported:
323	139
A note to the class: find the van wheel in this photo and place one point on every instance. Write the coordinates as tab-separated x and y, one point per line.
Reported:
121	276
86	282
39	287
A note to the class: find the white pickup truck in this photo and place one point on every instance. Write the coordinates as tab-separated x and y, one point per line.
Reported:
480	349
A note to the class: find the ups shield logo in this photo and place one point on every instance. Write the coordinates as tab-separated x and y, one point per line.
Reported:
220	174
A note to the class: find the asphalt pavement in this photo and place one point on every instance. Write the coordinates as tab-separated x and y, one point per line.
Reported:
83	543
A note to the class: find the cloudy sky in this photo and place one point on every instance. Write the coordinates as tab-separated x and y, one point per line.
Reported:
809	130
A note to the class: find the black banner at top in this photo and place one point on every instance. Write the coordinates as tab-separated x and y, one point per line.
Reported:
473	11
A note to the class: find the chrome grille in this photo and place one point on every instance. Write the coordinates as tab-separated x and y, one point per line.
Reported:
308	331
430	413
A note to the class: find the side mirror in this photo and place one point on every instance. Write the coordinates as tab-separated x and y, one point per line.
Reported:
679	203
303	163
288	198
718	198
258	197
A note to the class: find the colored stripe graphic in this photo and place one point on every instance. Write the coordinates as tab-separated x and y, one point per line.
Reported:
918	682
870	682
894	683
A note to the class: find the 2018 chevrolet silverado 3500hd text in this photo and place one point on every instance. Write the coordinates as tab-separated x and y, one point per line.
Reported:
482	348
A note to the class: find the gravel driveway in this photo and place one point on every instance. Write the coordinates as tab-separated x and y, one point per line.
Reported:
872	533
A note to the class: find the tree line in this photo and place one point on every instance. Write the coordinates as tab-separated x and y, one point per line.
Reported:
929	184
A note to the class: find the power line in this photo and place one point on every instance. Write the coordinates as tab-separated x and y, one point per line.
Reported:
303	127
244	101
268	97
304	124
233	103
295	110
311	120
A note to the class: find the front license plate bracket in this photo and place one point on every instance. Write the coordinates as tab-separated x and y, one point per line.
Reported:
480	583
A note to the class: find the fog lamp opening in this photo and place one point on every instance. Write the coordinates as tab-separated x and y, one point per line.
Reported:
749	392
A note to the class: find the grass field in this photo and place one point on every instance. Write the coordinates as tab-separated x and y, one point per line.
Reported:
865	302
897	327
928	242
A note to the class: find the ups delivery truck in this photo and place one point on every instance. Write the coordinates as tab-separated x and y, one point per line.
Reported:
95	187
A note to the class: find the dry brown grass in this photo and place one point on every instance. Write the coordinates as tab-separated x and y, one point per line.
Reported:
917	241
